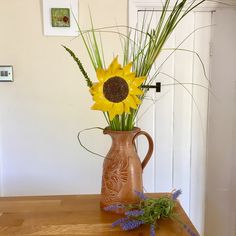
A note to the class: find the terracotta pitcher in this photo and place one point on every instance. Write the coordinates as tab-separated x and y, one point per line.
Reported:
122	168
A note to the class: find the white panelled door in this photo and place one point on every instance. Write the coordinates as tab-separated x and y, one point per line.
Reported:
177	116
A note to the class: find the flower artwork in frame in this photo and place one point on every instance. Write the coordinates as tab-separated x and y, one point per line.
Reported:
60	17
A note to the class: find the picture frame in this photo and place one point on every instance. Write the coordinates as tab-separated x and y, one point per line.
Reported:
60	17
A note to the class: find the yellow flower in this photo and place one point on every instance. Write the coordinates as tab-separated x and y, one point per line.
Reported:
117	89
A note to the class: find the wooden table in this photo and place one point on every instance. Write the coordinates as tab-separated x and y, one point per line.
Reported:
71	215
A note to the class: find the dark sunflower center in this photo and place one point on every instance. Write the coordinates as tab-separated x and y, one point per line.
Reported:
115	89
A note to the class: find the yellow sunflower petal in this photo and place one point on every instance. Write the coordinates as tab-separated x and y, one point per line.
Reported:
131	76
100	74
119	73
94	89
98	97
138	81
114	66
102	105
106	105
135	91
96	106
136	100
127	68
112	113
126	108
129	101
119	108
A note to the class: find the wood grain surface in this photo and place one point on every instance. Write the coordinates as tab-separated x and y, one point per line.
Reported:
71	215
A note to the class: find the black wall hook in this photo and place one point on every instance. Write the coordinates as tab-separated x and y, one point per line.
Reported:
157	87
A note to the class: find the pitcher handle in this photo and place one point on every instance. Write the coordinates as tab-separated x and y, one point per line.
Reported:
150	149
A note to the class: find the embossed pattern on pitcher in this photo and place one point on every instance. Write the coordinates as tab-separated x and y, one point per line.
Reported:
114	178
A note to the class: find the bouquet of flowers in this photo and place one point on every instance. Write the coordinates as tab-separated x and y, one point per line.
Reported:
121	88
119	92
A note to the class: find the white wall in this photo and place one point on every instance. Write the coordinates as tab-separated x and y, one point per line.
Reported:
220	208
48	103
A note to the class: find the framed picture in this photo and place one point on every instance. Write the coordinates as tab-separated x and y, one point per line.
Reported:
59	17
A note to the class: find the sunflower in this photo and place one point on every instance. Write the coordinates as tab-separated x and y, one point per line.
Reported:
117	90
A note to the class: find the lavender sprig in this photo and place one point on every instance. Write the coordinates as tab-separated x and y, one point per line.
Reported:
119	221
131	224
176	194
189	230
134	213
113	207
152	230
141	195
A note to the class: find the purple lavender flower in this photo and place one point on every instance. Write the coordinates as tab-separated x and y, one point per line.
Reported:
119	221
141	195
189	230
131	224
134	213
113	207
176	194
152	230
